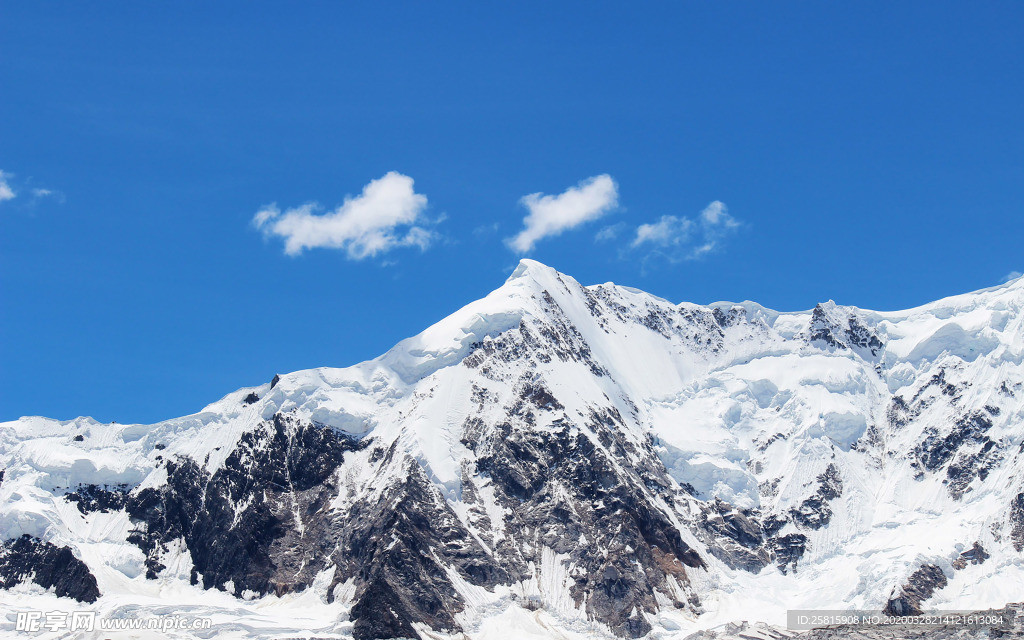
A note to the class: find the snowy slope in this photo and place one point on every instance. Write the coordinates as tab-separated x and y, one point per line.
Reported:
568	461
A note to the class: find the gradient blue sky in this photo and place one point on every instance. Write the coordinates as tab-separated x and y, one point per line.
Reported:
868	152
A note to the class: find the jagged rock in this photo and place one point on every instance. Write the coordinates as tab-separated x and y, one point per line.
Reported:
91	497
899	413
631	548
859	335
733	316
1017	522
814	512
234	521
262	524
919	587
975	555
968	451
972	463
788	550
380	613
51	567
735	537
398	549
935	451
827	327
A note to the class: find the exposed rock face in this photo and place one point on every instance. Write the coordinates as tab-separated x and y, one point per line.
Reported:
262	524
735	536
839	329
788	550
566	488
398	551
247	523
919	587
965	450
814	512
49	566
1017	522
975	555
91	497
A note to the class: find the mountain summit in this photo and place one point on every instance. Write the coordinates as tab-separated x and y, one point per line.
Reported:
564	460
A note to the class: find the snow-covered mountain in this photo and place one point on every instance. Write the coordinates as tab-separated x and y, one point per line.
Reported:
561	460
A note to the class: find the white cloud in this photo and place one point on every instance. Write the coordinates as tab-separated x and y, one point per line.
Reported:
682	238
6	192
666	232
715	214
551	215
11	189
384	216
1013	275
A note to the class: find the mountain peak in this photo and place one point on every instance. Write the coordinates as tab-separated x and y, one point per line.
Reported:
528	269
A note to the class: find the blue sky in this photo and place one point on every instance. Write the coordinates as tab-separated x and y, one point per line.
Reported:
196	196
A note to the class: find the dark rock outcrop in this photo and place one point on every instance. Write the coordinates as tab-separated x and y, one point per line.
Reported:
814	512
381	613
735	536
103	498
966	449
398	548
563	487
906	600
975	555
828	330
263	523
246	524
51	567
1017	522
788	550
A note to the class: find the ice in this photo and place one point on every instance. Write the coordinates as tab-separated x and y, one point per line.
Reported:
952	339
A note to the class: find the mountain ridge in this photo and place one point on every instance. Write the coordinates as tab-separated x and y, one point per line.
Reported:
594	459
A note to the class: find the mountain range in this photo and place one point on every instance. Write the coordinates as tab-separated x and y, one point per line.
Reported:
553	461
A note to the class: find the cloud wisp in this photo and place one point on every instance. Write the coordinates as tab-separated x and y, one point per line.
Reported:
27	195
551	215
1013	275
678	238
6	192
388	214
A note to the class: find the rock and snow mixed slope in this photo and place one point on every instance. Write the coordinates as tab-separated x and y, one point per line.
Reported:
567	461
